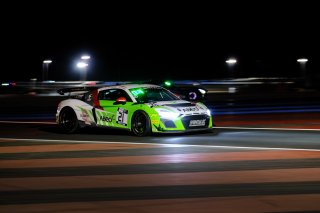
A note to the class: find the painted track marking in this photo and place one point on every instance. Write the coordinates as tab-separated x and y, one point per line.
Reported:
164	144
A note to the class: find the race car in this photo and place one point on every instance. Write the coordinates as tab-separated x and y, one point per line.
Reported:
142	109
187	92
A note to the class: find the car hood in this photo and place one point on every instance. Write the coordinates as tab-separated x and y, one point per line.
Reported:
181	106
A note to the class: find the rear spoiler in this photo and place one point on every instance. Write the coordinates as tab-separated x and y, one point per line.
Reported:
75	89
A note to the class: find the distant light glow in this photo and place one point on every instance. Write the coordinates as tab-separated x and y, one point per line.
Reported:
231	61
168	83
232	89
85	57
47	61
202	91
91	83
82	65
302	60
5	84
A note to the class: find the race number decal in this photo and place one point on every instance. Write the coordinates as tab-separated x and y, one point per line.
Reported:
122	116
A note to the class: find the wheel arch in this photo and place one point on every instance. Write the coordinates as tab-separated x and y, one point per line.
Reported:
148	117
75	105
72	108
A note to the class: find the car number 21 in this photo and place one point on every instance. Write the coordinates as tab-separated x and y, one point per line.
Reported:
122	116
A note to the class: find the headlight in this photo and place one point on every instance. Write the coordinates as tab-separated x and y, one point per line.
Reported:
208	112
163	113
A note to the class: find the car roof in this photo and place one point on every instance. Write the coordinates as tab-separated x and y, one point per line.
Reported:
130	86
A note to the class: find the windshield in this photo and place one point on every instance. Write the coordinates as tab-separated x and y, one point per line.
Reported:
145	95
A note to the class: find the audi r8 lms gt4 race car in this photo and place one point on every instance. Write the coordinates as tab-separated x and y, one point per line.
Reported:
140	108
187	92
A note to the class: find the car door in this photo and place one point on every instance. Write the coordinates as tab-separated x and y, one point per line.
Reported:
111	113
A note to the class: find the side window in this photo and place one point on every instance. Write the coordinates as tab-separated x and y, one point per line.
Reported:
123	93
107	94
113	94
88	98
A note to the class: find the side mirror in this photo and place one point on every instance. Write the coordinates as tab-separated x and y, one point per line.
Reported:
121	100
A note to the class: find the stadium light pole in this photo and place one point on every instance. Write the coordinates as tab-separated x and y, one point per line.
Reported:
231	62
85	59
303	63
83	66
45	69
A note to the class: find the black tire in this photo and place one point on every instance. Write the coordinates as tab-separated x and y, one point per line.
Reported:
140	124
68	121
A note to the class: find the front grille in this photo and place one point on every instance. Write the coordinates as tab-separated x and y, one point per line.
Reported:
186	121
168	123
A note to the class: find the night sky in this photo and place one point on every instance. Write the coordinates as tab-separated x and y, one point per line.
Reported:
162	40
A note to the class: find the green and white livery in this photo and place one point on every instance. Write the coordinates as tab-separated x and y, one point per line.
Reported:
140	108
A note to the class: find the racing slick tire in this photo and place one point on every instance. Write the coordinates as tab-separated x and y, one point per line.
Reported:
140	124
68	121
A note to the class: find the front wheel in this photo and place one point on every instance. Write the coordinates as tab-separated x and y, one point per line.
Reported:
68	121
140	124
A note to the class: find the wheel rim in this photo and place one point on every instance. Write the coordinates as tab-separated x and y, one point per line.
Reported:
139	124
67	120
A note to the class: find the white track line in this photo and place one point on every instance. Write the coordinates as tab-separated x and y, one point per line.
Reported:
162	144
264	128
217	127
27	122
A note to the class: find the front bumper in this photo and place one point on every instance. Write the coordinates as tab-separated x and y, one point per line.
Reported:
188	123
184	131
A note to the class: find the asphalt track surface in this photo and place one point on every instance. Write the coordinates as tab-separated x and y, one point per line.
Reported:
254	162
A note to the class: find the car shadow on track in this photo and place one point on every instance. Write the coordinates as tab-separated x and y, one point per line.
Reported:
87	130
54	129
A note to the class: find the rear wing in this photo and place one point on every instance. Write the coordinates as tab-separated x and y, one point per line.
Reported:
75	90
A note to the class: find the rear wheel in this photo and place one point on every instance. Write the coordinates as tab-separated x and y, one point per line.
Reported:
140	124
68	121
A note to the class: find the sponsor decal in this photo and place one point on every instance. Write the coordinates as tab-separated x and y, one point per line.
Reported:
122	116
106	118
197	122
137	92
154	121
153	104
85	116
190	109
